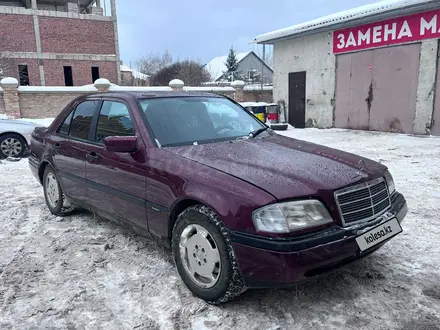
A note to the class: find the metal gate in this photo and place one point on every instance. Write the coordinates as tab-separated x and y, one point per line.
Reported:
377	89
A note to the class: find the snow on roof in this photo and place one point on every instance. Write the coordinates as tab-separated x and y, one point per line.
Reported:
217	66
136	74
340	17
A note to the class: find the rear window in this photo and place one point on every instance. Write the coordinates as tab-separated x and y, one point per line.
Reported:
190	120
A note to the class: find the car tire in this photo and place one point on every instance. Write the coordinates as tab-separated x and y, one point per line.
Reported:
12	145
279	126
54	195
196	230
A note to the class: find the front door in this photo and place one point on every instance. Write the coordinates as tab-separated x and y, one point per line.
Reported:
116	181
297	99
70	149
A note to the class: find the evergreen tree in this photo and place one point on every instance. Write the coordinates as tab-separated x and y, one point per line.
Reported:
231	63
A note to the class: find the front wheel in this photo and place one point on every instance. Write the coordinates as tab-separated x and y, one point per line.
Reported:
55	198
204	257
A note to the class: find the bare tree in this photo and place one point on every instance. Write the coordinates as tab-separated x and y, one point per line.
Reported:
152	63
191	72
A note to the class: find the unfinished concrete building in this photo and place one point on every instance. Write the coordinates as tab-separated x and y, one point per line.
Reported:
59	42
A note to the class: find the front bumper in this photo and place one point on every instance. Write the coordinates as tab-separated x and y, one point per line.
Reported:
283	262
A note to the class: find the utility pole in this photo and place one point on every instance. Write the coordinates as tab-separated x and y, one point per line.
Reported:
262	67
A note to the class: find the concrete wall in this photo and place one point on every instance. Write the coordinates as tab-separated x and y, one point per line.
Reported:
426	87
314	55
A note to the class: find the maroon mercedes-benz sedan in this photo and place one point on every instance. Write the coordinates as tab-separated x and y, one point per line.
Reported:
240	206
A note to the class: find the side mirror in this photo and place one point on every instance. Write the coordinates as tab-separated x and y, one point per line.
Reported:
126	144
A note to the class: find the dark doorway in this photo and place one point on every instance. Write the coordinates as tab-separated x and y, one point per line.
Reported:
297	99
23	74
95	73
68	77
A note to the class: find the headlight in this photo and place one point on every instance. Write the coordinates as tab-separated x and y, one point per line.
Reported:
291	216
390	182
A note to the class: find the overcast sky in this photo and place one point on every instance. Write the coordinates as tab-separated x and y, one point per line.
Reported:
205	29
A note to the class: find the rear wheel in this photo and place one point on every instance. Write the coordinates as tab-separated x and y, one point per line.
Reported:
204	256
55	198
12	145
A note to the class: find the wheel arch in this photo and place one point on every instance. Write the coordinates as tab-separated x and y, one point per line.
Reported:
42	168
15	133
180	206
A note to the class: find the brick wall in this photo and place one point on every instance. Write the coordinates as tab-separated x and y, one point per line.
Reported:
10	69
17	33
81	70
44	105
76	36
2	103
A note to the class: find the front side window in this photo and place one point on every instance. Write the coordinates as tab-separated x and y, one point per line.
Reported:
82	119
114	120
189	120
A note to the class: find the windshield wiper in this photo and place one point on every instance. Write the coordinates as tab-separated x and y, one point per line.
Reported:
258	131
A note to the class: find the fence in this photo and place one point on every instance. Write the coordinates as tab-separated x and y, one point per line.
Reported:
44	102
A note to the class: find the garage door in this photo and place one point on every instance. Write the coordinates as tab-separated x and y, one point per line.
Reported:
377	89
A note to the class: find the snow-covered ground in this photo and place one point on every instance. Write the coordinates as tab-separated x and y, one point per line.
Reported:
81	272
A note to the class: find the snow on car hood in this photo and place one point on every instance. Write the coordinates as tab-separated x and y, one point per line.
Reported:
282	166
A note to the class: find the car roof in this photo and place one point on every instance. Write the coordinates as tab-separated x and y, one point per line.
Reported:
152	94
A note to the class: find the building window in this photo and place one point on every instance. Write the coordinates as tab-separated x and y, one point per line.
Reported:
68	77
23	74
95	73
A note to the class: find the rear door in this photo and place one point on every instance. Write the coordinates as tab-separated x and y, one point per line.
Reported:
70	149
116	181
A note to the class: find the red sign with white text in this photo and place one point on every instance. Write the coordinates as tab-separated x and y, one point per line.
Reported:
390	32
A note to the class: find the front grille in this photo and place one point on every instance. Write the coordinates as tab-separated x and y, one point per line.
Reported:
363	202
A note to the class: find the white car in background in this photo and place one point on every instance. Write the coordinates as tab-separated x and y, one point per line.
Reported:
15	137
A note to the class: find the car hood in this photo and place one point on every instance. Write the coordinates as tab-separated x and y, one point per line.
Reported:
284	167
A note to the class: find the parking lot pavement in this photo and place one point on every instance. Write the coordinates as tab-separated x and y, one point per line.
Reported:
81	272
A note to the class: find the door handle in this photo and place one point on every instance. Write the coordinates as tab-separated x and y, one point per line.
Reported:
92	157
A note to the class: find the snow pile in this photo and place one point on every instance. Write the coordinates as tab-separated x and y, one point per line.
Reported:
341	17
136	74
80	272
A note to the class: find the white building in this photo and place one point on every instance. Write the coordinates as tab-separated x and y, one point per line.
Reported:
374	67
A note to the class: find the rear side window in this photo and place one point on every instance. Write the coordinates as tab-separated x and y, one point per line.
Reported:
114	120
65	126
82	119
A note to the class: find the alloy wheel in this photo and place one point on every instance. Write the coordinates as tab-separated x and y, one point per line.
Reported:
200	256
52	191
11	147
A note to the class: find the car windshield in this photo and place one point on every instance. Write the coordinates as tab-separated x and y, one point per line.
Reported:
192	120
